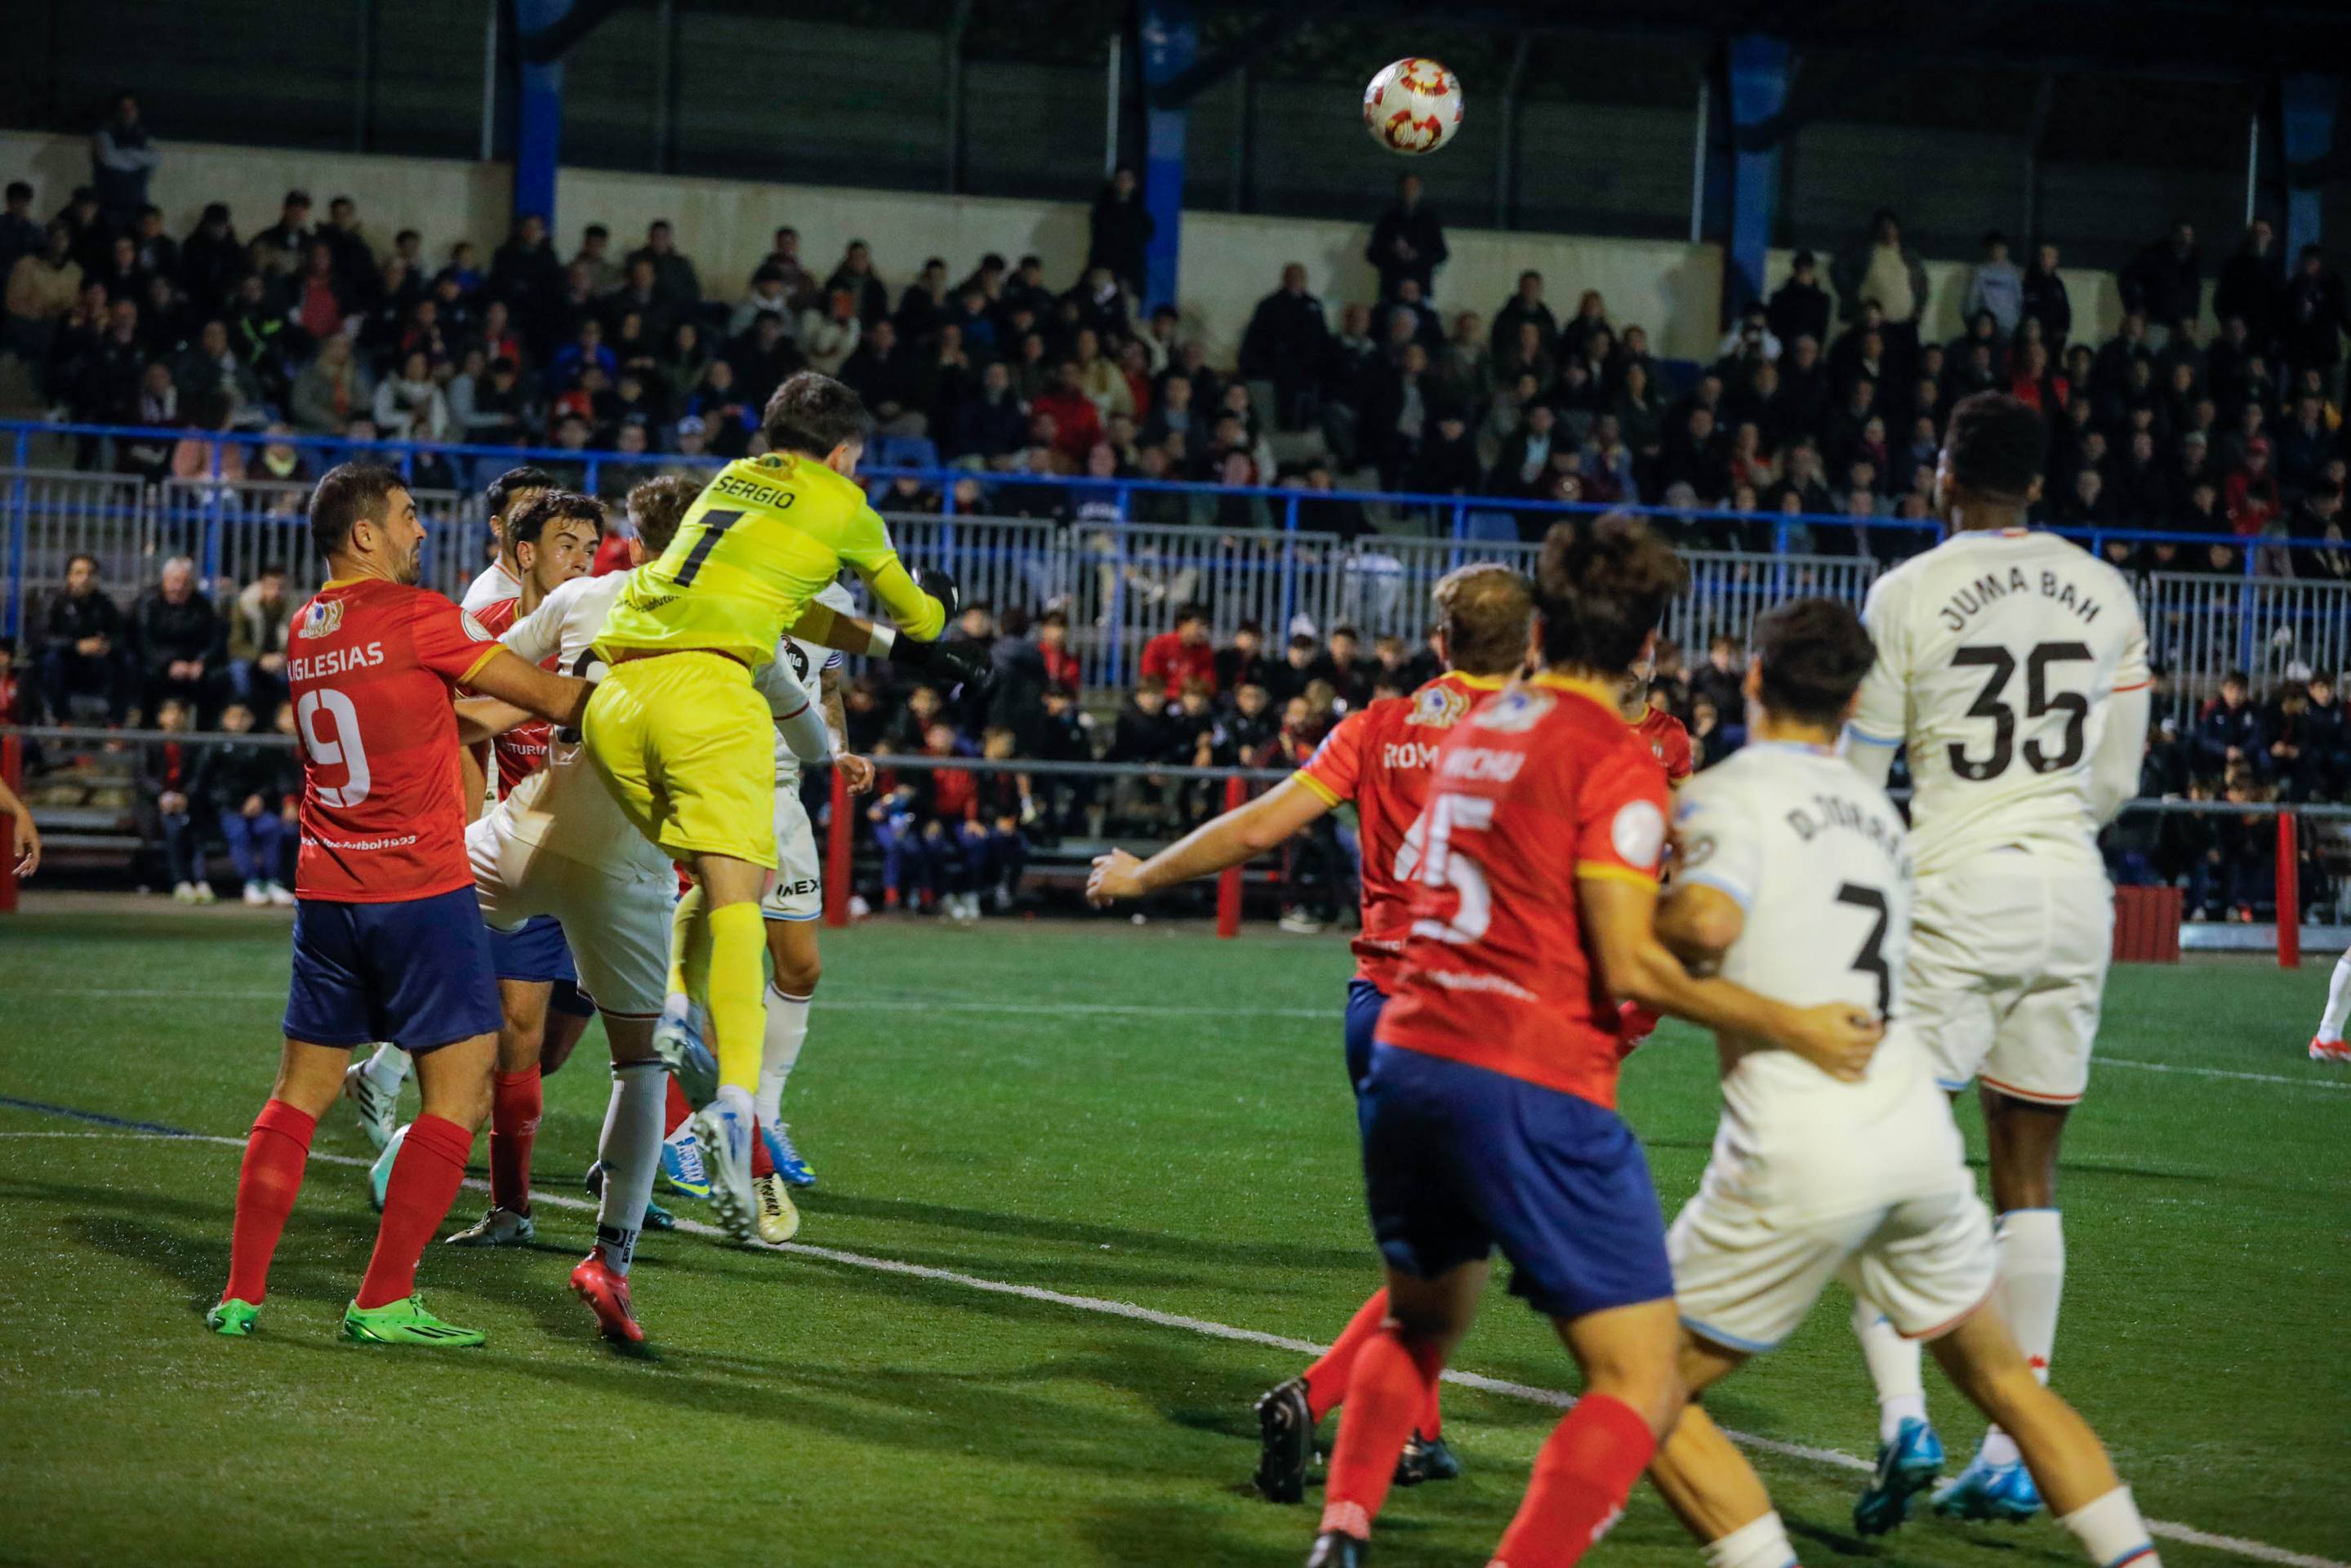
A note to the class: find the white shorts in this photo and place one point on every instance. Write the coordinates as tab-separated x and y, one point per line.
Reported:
796	892
1745	1279
617	922
2007	972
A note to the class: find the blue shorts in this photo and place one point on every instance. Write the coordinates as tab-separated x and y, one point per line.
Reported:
1459	1160
416	973
534	950
1364	1001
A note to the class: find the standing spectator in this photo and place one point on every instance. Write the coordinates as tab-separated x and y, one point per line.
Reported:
1407	242
1799	307
121	159
595	254
42	288
1120	230
1881	269
178	638
240	784
1997	288
20	235
1183	654
1288	343
171	785
2252	283
1526	305
279	249
81	651
673	275
2315	316
2165	282
257	641
2043	298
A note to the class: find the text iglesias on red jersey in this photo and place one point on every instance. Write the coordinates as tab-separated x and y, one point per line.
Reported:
371	665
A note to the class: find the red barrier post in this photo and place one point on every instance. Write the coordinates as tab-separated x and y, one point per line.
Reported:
836	853
2289	893
1229	880
12	772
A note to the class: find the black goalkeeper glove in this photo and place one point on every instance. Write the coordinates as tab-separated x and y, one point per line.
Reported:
942	587
947	663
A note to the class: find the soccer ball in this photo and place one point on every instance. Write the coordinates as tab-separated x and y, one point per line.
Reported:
1413	106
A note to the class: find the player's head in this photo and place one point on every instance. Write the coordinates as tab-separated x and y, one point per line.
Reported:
1482	612
1990	468
363	522
508	491
656	508
1601	587
1810	657
552	537
816	416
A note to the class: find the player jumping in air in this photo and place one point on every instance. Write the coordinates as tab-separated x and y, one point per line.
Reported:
2014	666
1795	879
387	941
680	734
1489	1112
1378	759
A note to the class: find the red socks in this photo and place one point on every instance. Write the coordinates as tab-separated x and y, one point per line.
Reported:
424	1182
1389	1386
674	1117
1326	1380
516	1103
761	1165
275	1154
1582	1478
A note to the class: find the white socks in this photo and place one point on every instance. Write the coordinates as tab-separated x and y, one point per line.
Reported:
388	1068
788	1018
2339	1002
1759	1543
631	1151
1893	1367
2112	1534
2032	1243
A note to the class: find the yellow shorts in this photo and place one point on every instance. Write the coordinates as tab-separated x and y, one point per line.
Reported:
687	747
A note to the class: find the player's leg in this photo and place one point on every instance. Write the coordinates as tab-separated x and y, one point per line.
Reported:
276	1151
1388	1388
2067	1461
372	1086
2327	1045
570	1011
792	908
724	1125
518	1100
1709	1483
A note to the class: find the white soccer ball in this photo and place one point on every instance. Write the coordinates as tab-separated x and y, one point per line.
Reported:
1413	106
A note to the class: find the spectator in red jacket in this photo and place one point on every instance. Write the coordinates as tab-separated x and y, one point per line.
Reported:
1061	667
2251	494
1184	655
1077	423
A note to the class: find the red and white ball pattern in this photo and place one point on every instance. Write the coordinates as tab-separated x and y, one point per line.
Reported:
1413	106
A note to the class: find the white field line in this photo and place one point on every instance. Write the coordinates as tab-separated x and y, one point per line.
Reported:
2255	1550
1127	1009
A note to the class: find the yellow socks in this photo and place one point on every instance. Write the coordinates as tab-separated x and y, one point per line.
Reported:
689	945
737	960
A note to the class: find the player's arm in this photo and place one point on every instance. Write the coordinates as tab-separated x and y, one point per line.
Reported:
2114	767
24	839
1881	716
543	694
797	718
952	662
856	771
1242	833
1619	915
480	719
870	554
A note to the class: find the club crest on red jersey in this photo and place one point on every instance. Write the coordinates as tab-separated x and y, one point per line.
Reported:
323	619
1516	709
1439	708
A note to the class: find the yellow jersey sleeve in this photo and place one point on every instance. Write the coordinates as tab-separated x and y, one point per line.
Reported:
870	553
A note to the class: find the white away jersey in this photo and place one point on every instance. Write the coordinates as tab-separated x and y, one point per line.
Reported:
808	660
1996	655
492	583
1816	856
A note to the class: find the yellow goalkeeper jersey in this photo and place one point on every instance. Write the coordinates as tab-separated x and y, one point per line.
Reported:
760	542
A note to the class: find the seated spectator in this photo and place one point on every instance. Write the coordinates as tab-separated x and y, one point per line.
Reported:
869	301
409	405
1144	736
332	391
884	374
177	636
990	424
242	784
258	624
1076	423
1799	307
171	786
81	651
1344	669
43	288
2250	495
1183	654
992	834
769	295
2228	731
680	286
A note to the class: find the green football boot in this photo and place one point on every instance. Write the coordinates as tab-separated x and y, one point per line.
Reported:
403	1323
233	1318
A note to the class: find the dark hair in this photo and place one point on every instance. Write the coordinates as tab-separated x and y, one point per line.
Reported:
531	520
1603	589
1994	445
657	507
596	231
811	414
1190	612
1812	655
18	191
350	492
271	568
1483	610
515	481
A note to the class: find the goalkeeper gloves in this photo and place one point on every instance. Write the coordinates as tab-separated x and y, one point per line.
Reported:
950	664
942	587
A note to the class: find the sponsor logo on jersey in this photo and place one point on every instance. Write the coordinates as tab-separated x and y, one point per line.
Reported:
1638	833
474	629
323	619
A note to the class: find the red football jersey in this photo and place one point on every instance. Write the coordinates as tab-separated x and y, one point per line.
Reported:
522	750
1379	757
1668	741
372	664
1542	785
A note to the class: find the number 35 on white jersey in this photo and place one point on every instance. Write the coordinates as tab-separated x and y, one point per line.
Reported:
1997	654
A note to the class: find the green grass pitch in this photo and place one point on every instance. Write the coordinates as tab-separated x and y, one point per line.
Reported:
1143	1116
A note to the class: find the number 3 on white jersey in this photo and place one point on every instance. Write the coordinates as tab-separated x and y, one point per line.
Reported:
1428	856
345	751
